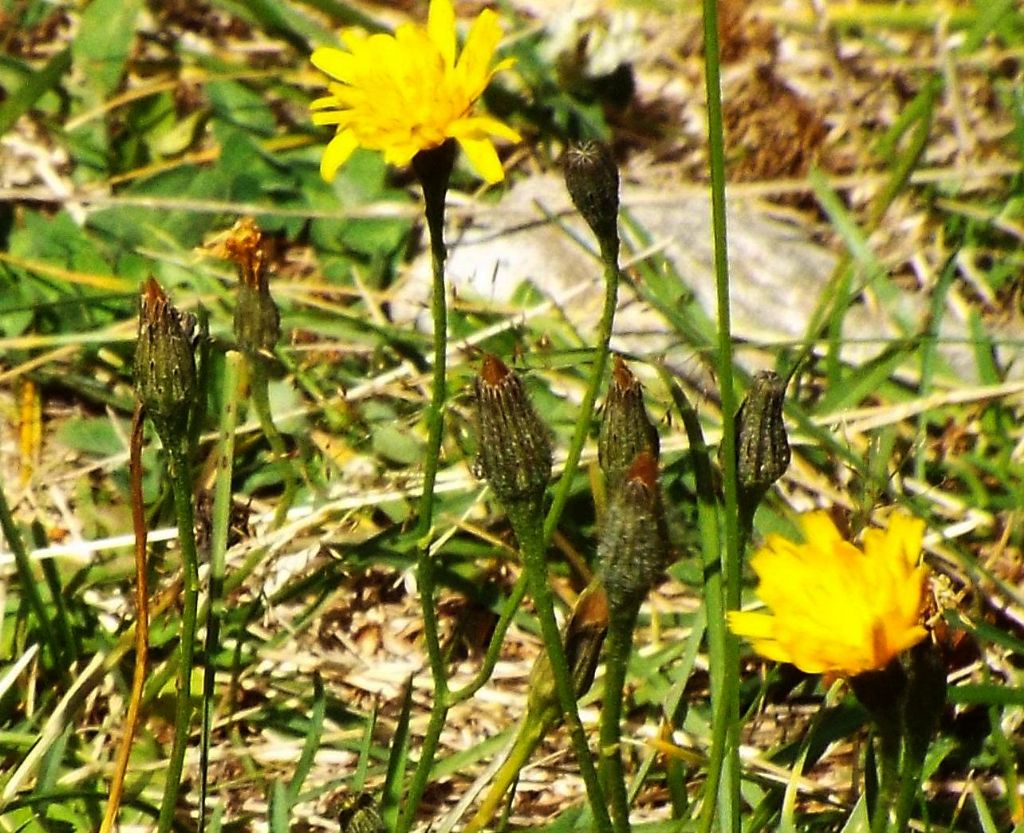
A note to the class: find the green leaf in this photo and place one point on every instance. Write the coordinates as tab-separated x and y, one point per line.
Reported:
100	48
92	435
32	88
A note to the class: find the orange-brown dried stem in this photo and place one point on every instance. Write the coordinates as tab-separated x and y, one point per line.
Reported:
141	625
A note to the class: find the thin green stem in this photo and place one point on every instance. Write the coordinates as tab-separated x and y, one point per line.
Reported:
723	646
586	412
181	485
532	546
259	389
889	777
218	547
490	659
434	179
618	645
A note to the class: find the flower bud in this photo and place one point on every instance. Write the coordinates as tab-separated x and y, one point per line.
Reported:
633	549
593	182
626	430
762	448
257	320
359	814
514	445
165	367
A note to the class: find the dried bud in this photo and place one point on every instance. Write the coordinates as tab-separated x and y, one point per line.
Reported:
257	320
514	445
762	448
359	814
626	430
633	549
583	636
165	367
593	182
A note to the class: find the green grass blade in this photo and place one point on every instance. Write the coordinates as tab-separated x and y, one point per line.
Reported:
313	736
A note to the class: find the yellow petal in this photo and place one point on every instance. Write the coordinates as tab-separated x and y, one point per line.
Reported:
477	127
441	26
483	158
473	68
334	62
337	152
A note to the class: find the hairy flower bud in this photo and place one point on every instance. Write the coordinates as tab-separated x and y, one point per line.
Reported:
359	814
165	367
633	549
593	182
762	447
514	445
626	429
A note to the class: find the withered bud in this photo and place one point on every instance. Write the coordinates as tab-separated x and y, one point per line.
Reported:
592	178
583	637
514	445
359	814
257	320
165	366
762	447
633	549
626	429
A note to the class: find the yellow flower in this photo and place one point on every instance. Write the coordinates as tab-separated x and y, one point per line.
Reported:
836	608
403	93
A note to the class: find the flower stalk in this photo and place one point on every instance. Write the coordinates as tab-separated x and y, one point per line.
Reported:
165	382
632	553
515	456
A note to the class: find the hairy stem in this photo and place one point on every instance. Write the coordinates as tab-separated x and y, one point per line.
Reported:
181	485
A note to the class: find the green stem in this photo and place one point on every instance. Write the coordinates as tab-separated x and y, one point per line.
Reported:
531	732
218	548
586	412
889	777
532	546
259	389
618	645
432	168
181	485
724	648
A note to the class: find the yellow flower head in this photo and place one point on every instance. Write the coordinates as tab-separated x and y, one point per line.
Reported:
836	608
406	92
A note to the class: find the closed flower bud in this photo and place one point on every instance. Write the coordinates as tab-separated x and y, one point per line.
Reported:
593	182
514	445
165	368
359	814
633	549
626	430
762	447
